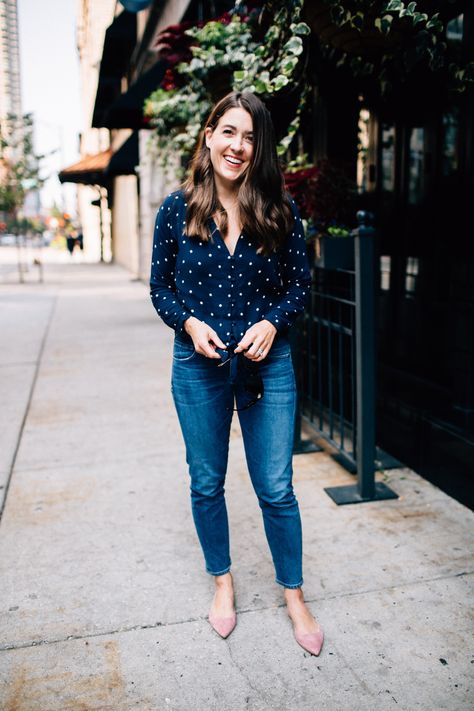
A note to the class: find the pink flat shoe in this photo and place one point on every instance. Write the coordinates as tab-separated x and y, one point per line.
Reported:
312	643
223	625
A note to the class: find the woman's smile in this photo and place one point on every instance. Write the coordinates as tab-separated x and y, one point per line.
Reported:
234	162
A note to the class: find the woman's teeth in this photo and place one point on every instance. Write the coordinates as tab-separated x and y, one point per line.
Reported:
233	161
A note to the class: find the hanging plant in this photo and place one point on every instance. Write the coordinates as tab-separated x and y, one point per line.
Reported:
272	64
395	38
258	50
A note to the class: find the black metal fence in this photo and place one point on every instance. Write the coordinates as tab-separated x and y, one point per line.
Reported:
335	359
326	369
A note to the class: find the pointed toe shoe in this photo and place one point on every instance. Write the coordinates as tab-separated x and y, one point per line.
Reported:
223	625
312	643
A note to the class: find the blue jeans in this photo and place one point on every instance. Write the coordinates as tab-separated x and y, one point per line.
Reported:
204	397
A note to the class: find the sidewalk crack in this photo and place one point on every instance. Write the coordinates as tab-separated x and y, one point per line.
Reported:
155	625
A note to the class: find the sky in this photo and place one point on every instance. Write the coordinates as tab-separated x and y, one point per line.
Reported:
49	64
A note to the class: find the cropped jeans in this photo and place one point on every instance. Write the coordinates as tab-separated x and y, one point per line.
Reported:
204	397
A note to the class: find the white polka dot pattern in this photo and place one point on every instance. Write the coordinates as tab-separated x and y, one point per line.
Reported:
182	284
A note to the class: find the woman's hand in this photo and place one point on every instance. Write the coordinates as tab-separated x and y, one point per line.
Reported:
205	339
258	339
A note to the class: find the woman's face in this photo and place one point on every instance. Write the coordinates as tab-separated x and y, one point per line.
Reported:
231	146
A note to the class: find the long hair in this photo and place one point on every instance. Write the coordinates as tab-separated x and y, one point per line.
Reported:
264	207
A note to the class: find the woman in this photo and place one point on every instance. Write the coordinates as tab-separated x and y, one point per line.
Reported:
229	274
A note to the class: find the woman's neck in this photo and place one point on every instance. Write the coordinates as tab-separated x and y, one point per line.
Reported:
227	196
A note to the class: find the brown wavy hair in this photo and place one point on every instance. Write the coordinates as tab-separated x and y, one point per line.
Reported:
264	206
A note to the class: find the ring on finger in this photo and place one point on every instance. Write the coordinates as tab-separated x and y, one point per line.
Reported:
260	351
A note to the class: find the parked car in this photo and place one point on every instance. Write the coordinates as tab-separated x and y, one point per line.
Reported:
7	240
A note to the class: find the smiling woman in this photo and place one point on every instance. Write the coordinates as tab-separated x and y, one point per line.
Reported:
235	175
229	274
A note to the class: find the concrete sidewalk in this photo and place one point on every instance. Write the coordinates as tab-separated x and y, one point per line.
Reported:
103	594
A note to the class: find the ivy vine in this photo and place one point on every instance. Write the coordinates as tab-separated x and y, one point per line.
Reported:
425	44
240	51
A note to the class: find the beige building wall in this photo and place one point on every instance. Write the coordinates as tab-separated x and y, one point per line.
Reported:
125	223
125	214
93	18
155	182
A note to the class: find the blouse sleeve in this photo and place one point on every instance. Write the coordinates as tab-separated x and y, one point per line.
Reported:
163	264
295	277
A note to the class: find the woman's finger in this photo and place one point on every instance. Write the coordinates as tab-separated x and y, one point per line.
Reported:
256	350
262	352
216	340
207	350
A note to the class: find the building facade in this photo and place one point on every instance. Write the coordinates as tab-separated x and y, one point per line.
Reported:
10	83
94	215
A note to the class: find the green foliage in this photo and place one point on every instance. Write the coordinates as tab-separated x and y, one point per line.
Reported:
423	42
270	65
229	55
177	116
338	231
19	166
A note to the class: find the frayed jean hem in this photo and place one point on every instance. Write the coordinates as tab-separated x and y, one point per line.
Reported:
287	585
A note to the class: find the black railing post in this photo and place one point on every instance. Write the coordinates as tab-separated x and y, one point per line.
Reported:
364	255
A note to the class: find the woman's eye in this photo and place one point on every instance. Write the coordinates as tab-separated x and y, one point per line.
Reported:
227	130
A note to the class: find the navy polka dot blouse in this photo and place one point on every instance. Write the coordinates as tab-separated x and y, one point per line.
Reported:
229	292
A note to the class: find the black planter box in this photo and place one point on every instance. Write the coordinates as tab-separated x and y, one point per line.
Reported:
334	252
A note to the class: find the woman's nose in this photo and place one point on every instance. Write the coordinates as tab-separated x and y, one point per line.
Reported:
236	144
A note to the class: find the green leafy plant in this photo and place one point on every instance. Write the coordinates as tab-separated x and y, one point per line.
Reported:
338	231
19	165
413	39
231	53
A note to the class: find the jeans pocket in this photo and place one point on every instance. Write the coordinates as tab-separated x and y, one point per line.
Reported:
183	351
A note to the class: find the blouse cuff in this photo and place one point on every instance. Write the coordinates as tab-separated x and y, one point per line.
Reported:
179	328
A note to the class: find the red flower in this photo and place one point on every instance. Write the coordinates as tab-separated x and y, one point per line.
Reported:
301	185
173	44
324	192
168	83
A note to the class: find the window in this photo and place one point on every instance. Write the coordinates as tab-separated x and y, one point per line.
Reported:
385	268
388	158
450	142
411	274
454	29
362	151
416	165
